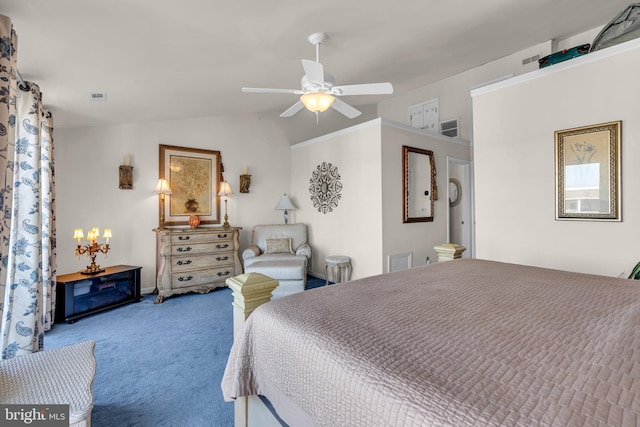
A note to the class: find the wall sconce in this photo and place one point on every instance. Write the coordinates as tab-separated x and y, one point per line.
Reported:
225	191
92	248
245	181
126	174
162	188
285	205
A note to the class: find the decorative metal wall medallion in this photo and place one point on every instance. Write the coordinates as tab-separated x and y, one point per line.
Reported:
325	187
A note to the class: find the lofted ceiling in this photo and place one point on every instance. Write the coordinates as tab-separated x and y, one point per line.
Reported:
164	60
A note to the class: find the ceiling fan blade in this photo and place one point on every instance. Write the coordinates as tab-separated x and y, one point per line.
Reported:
345	108
269	90
314	71
364	89
293	109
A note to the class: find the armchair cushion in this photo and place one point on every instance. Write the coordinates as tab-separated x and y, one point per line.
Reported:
304	250
279	246
251	252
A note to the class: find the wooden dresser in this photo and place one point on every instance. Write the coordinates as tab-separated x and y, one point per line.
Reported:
195	259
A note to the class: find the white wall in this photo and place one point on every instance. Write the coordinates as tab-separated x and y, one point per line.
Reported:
514	125
418	238
354	228
87	161
367	224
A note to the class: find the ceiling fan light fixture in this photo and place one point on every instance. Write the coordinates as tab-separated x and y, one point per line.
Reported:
317	102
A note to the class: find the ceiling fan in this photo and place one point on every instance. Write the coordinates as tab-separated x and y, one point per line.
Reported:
318	90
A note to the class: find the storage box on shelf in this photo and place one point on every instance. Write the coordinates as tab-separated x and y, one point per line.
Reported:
195	259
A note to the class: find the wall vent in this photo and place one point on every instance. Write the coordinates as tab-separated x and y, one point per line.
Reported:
534	58
98	97
401	261
449	128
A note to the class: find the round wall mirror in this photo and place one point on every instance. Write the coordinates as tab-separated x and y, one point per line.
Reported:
455	191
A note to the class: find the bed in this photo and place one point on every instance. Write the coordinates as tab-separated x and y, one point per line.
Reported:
465	342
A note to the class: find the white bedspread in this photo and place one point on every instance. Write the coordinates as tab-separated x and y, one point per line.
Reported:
466	342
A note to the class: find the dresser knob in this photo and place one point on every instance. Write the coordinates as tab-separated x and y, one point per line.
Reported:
185	279
226	273
222	236
187	249
184	237
222	258
226	245
185	262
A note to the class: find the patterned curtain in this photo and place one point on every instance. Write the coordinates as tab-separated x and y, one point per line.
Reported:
27	228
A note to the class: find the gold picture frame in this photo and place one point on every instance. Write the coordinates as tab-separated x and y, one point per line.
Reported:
193	175
588	173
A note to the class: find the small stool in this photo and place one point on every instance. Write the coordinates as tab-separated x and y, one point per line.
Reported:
340	266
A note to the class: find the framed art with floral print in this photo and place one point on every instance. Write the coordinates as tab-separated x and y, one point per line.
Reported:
194	178
588	173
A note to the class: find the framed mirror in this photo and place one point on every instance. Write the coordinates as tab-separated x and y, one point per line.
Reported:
419	187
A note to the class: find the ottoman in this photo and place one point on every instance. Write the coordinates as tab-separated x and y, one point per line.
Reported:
291	275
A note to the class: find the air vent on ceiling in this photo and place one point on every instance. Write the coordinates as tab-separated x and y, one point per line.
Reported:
98	97
449	128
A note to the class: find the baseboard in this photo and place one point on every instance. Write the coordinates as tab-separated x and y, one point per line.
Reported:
147	290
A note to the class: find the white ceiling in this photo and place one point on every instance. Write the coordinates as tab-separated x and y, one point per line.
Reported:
160	60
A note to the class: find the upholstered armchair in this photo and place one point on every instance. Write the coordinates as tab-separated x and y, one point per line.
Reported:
281	252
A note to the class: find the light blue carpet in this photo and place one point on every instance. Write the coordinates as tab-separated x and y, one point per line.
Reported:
159	365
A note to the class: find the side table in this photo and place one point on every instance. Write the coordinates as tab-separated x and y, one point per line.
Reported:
339	266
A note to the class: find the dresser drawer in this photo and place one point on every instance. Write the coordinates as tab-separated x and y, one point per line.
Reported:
201	237
201	248
201	277
196	262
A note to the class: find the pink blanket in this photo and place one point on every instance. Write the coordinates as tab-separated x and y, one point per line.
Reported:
466	342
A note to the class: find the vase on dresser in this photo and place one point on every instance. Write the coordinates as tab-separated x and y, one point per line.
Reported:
195	259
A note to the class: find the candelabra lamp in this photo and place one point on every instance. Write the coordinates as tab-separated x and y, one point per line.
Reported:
92	248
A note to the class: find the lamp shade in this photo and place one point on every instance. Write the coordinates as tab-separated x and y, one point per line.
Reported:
285	204
162	187
317	101
225	189
78	233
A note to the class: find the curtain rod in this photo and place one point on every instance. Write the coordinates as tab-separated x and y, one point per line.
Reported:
21	83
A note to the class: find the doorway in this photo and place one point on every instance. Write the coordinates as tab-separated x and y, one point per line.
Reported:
460	212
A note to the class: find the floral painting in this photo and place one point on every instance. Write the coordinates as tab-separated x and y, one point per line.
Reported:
191	185
194	178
